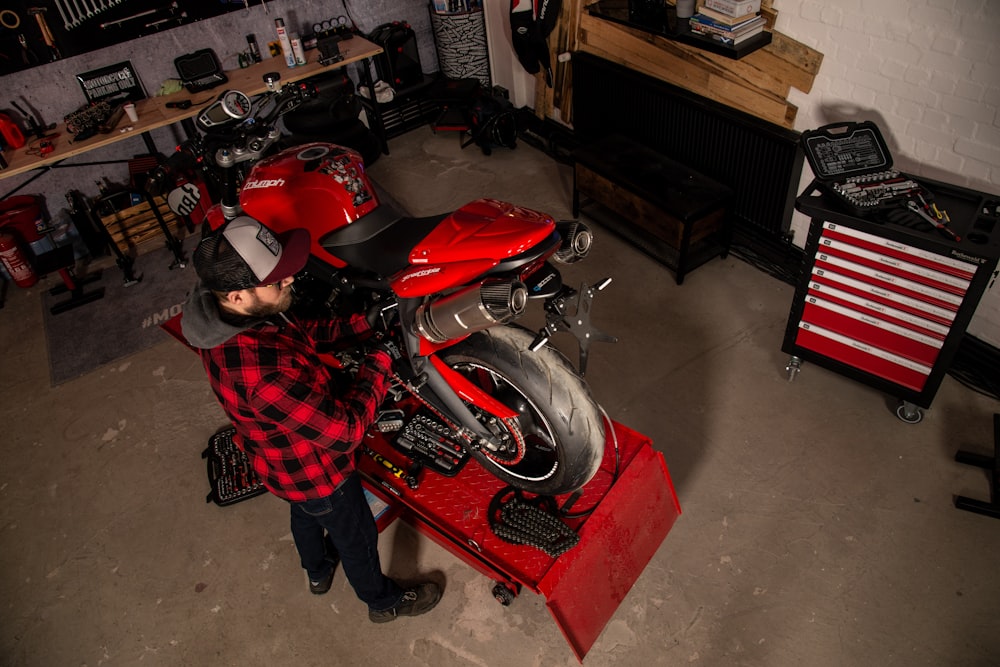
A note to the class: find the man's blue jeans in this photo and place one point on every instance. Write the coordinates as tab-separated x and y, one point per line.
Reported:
344	522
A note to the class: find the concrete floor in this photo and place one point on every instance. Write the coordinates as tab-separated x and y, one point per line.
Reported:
818	529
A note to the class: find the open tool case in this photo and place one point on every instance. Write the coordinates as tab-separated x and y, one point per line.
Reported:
854	175
229	473
852	163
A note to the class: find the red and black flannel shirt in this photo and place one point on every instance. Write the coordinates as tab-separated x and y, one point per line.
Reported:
297	432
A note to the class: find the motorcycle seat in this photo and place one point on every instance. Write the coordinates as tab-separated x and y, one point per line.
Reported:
381	241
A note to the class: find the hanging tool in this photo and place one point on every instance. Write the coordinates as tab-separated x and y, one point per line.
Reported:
28	57
74	12
9	19
43	27
81	13
62	14
172	8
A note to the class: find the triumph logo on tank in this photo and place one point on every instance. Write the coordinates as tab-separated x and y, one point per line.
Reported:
265	183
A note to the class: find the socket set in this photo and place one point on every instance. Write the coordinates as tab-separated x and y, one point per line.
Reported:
852	163
229	473
432	444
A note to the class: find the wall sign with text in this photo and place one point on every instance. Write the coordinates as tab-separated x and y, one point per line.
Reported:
119	82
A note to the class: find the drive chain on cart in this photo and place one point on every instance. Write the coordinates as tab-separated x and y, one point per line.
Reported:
517	520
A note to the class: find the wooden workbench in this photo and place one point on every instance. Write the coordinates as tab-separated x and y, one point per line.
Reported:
153	112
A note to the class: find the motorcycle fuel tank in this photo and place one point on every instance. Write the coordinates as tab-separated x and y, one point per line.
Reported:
318	186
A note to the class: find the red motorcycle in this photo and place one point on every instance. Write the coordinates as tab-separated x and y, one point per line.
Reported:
450	287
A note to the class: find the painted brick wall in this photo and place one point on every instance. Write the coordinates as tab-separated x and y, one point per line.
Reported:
927	72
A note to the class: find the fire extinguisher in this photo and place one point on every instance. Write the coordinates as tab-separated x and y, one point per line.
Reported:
15	262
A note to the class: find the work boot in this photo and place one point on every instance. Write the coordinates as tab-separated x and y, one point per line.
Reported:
321	586
415	601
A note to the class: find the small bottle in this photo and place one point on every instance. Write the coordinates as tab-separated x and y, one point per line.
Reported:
286	45
300	55
254	49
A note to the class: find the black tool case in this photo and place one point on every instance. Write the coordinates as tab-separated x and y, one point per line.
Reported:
852	163
230	475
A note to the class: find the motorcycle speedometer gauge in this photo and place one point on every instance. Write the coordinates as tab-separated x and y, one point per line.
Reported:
231	106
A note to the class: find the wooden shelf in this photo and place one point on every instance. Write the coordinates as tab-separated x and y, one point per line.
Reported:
669	26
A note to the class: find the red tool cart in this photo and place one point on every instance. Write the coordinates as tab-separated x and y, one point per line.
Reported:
894	268
621	517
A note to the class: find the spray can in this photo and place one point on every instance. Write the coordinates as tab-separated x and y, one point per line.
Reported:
254	49
286	45
300	55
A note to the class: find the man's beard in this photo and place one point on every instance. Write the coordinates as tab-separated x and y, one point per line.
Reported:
259	309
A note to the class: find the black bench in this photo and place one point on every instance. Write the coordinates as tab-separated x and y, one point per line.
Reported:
671	212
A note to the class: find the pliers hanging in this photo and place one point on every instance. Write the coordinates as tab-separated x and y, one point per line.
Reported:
28	57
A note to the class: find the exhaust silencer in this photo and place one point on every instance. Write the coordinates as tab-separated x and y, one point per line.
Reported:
577	240
472	309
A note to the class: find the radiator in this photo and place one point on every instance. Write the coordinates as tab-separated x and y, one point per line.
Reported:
760	161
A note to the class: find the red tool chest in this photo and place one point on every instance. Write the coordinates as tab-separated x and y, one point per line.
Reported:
885	300
628	509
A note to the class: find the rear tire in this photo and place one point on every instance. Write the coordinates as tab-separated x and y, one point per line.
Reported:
561	422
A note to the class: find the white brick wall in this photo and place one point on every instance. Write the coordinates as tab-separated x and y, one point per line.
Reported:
927	72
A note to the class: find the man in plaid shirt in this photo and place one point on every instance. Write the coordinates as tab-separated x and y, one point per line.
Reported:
298	431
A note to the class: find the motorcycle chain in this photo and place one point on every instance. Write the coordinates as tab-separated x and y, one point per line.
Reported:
511	424
520	521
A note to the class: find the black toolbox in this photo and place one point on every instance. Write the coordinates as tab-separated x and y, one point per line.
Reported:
230	475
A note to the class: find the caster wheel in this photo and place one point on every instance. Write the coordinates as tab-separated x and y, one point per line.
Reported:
793	367
909	413
503	594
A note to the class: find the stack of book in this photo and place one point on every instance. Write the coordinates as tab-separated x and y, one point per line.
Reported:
728	21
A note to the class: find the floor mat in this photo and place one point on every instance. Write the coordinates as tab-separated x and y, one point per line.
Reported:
122	323
127	320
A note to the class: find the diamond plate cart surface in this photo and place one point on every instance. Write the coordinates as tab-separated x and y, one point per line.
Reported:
621	518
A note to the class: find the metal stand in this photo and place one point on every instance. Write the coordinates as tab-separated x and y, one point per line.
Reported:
991	463
173	244
61	260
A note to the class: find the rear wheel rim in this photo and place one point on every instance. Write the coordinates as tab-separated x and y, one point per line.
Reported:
541	456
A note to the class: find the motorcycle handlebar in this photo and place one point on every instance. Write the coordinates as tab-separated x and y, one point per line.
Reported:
289	97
